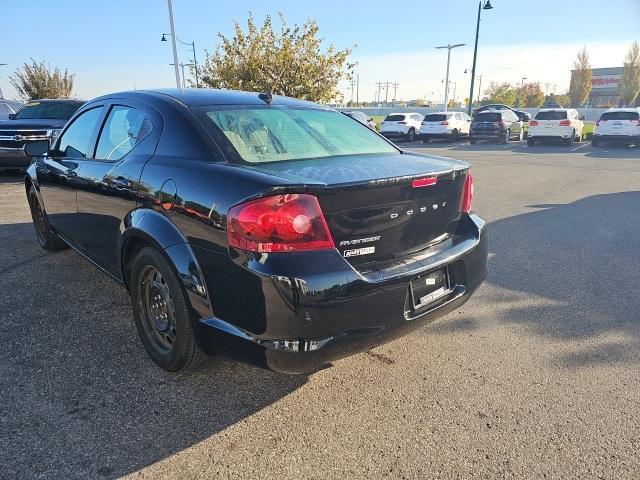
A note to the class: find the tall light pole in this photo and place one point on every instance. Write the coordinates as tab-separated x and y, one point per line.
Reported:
486	6
2	65
521	90
449	47
173	44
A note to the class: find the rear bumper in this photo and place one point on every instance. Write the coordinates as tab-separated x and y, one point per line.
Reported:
315	318
13	158
394	134
617	138
434	134
487	135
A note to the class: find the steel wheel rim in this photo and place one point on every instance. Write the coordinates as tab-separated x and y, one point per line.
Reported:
157	309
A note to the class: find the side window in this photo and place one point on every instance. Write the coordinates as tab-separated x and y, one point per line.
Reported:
124	129
75	142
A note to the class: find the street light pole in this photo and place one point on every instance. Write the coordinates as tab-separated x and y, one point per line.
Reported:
173	44
2	65
486	6
449	47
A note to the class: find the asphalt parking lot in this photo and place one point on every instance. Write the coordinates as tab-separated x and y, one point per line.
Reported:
538	376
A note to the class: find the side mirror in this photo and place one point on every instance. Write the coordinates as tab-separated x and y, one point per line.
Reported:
12	116
37	149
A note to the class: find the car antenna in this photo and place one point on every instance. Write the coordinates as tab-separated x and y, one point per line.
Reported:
266	97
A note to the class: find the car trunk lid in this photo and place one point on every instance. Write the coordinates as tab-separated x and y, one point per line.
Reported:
381	206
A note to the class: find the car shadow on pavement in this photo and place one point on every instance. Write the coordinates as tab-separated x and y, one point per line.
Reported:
568	273
80	398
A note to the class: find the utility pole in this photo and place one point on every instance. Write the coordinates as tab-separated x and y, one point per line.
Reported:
173	43
386	93
449	47
358	89
379	98
395	91
546	88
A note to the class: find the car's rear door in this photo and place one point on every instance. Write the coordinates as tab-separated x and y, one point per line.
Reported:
57	173
108	183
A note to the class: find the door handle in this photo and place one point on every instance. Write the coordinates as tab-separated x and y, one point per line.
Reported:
121	182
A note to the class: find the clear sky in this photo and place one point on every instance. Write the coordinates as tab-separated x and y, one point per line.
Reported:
115	44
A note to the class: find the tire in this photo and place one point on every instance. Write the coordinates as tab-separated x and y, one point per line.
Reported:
411	135
162	314
473	141
454	135
507	137
595	142
569	141
521	135
530	142
47	239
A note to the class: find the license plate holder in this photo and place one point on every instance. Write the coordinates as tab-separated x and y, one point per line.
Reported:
429	288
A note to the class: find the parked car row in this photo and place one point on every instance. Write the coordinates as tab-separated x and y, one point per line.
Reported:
502	124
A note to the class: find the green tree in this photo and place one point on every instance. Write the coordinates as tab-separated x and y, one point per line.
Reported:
500	93
38	80
629	86
530	95
580	86
290	61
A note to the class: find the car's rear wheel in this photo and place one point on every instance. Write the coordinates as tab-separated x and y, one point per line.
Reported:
569	141
454	135
473	141
161	313
411	136
46	237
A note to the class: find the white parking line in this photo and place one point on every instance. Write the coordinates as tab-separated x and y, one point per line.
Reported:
579	147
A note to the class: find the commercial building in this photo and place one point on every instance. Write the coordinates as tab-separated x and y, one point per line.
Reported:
604	87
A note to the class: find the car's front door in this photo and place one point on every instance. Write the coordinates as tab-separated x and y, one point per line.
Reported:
57	173
108	183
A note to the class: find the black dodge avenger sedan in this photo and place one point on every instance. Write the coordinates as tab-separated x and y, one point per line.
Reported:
274	229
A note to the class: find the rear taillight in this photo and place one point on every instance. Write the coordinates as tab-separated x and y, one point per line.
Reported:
467	194
279	223
444	123
533	123
565	123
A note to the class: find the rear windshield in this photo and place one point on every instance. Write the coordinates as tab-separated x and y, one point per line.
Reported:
435	117
552	115
394	118
54	110
487	117
620	116
268	134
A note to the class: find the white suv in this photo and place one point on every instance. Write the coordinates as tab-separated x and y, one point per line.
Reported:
404	125
556	124
449	125
618	124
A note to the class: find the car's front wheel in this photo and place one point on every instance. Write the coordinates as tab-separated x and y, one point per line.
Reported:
46	237
161	313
